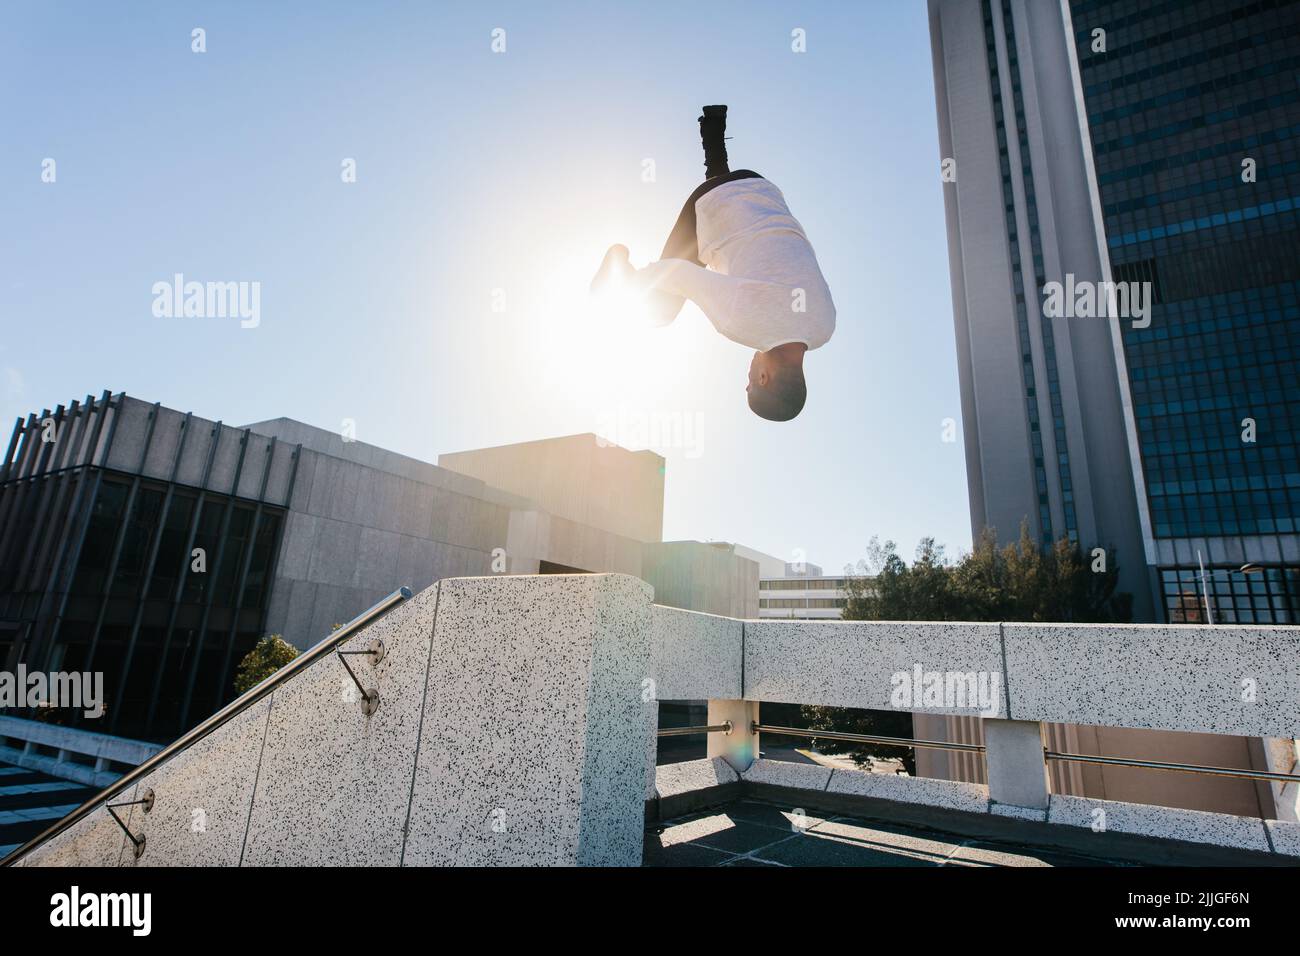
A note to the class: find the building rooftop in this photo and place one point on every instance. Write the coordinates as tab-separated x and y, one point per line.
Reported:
514	721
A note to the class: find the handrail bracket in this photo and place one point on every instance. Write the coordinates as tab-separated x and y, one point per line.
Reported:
146	802
376	652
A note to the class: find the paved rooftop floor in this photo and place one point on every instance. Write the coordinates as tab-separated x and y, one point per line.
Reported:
749	833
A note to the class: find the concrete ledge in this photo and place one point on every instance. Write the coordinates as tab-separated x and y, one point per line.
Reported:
674	779
1191	826
801	776
62	769
71	740
970	797
1284	836
691	785
694	656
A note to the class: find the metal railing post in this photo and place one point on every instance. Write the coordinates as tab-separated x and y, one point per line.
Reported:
1016	766
739	747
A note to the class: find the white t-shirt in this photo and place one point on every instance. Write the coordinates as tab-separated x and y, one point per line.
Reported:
745	230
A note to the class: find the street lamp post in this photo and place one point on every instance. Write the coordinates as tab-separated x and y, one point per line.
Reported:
1248	568
1205	589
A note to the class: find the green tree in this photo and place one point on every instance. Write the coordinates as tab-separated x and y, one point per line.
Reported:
1015	582
267	656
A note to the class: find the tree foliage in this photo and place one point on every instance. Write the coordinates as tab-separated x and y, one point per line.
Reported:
1015	582
267	656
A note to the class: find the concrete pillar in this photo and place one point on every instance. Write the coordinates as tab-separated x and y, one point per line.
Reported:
535	725
1016	768
740	747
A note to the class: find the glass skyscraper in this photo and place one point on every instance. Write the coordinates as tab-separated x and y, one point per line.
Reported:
1135	141
1194	115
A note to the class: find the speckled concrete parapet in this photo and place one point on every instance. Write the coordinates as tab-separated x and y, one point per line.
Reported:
334	784
1179	677
95	840
610	790
677	778
517	718
202	797
970	797
694	656
1285	837
779	773
533	746
1192	826
855	663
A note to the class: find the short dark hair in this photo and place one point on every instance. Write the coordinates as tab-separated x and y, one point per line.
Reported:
783	397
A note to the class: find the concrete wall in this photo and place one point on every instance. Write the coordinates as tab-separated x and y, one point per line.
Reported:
690	574
510	730
364	521
355	533
513	724
579	477
214	456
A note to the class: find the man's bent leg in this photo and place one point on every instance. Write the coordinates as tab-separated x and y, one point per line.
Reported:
679	279
684	245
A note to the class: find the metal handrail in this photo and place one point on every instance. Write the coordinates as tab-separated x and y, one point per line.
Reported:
722	728
1047	754
1180	767
233	709
864	738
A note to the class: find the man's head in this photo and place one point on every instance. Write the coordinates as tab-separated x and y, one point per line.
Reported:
776	387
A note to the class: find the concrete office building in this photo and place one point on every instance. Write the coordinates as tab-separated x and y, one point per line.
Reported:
802	592
158	547
1104	140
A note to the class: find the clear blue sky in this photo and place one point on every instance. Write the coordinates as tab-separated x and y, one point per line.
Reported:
477	172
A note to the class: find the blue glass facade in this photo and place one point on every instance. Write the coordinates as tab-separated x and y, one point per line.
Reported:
1185	103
